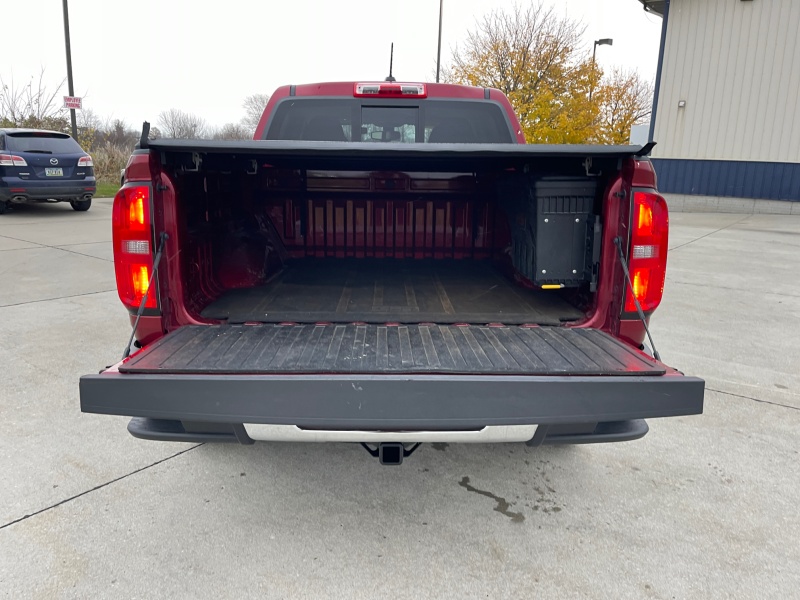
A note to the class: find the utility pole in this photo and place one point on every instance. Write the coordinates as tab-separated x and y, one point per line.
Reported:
439	51
69	70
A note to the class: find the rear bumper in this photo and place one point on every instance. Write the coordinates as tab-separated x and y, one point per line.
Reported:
577	433
45	190
602	433
391	402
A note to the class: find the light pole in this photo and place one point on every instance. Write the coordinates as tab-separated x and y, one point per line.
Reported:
439	51
602	42
69	70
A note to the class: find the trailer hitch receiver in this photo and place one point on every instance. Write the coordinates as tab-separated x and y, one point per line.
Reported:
391	453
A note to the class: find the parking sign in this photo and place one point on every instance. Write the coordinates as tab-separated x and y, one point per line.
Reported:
72	102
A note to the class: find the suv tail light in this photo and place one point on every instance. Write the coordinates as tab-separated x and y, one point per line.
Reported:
648	254
12	160
390	90
133	245
85	161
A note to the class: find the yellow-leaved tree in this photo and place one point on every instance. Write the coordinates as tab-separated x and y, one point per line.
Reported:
537	58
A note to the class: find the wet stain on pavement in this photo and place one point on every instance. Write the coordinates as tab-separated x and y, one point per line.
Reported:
502	504
440	446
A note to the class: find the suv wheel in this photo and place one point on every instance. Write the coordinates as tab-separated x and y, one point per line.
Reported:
81	205
3	207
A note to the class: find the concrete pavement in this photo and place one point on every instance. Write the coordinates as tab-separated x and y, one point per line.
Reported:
703	507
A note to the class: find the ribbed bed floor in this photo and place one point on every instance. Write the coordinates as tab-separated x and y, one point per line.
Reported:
448	349
380	291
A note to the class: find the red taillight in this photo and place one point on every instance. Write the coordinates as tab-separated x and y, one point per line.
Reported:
644	220
390	90
133	258
138	201
648	252
12	160
641	281
85	161
140	280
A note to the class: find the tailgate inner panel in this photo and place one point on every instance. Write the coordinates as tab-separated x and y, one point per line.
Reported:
383	349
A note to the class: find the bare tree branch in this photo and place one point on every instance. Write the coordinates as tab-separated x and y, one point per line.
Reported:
254	106
175	123
33	105
231	131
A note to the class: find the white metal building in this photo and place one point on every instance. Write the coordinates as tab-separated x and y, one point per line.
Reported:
726	113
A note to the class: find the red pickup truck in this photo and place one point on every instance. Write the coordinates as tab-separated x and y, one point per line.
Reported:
388	263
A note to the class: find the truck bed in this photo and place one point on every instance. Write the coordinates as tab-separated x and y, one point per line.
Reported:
385	349
377	291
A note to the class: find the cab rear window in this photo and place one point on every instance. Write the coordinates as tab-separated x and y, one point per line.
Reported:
35	141
352	120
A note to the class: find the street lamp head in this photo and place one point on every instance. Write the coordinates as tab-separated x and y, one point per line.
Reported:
605	42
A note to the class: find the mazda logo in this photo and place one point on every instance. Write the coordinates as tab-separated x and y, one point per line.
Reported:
53	161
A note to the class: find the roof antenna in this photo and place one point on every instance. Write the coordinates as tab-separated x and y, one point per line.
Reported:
391	58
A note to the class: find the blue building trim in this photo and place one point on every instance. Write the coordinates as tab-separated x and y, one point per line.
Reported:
736	179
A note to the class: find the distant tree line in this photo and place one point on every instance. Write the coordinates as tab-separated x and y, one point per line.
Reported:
175	123
110	140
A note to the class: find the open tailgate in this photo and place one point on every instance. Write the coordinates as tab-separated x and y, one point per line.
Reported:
363	376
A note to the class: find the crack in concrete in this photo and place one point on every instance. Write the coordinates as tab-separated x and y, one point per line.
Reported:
733	289
789	406
711	233
8	237
17	249
62	248
82	244
97	487
21	240
58	298
81	253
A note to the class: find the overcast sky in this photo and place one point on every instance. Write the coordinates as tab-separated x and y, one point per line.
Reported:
132	60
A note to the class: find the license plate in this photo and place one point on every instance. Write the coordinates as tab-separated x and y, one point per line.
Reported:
54	172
